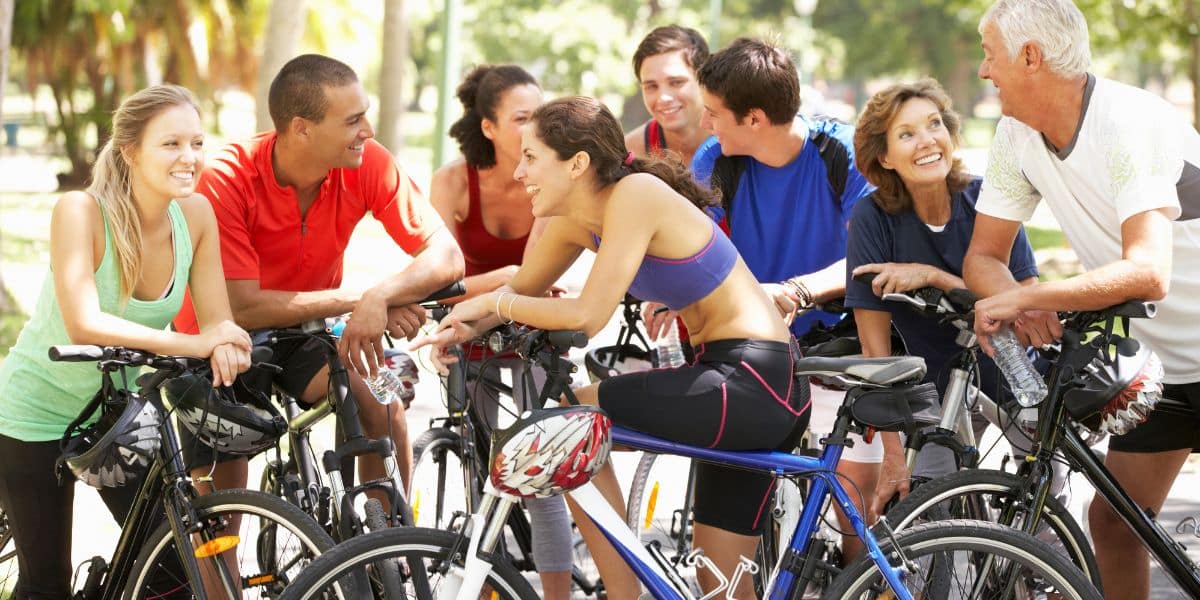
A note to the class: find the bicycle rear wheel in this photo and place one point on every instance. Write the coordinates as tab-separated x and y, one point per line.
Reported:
439	552
249	516
967	559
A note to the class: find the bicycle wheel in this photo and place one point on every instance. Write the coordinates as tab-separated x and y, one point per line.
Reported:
986	495
8	557
248	515
968	559
659	510
438	551
438	480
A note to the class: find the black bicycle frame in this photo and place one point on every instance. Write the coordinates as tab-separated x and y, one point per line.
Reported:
167	474
1057	432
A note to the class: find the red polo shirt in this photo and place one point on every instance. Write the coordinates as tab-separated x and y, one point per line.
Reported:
264	237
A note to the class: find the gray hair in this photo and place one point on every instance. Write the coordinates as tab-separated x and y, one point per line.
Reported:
1056	26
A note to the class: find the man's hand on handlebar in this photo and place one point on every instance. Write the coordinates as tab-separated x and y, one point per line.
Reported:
1032	327
405	321
361	345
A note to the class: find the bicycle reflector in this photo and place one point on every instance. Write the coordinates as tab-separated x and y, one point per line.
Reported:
550	452
216	546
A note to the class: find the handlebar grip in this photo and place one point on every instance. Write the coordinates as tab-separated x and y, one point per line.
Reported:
1136	309
567	338
261	354
76	353
457	288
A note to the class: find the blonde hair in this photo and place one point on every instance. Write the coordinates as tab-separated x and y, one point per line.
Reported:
110	184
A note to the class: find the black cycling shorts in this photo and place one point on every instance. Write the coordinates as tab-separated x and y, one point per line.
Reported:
301	360
1174	425
737	395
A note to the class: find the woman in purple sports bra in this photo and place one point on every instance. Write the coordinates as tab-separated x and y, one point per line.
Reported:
645	221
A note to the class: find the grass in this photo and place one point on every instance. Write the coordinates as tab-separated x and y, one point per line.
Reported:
1041	238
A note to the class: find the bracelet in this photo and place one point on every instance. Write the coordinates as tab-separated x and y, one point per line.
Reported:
500	297
510	307
798	287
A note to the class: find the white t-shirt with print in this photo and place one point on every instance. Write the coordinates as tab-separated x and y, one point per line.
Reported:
1132	152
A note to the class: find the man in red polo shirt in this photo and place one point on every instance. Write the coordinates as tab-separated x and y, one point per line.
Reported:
287	202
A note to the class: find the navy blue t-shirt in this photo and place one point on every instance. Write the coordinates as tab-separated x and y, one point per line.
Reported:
877	237
786	220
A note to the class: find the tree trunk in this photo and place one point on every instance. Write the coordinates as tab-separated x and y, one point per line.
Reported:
285	26
1194	63
391	77
7	305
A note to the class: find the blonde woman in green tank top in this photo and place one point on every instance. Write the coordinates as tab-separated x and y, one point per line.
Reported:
121	254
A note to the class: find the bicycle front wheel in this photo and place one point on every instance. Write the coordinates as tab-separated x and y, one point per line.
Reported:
8	557
439	488
247	515
967	559
989	495
440	553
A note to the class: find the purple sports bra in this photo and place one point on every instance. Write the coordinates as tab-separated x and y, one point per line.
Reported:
679	282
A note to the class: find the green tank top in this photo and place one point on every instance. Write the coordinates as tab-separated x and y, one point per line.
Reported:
39	397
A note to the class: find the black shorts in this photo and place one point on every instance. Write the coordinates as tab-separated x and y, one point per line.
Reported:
301	360
737	395
1174	424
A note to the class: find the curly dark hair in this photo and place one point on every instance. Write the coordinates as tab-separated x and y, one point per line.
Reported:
480	94
581	124
870	141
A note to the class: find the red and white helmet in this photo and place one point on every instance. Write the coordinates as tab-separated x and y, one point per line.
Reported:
550	452
1118	388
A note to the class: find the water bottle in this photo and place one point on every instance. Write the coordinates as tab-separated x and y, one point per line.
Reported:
668	350
386	387
1025	382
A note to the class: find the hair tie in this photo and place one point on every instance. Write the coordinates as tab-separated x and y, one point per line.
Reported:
628	159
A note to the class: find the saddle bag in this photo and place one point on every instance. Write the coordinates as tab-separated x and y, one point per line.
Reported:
900	408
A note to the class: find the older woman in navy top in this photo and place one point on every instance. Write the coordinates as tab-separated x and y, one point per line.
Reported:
913	232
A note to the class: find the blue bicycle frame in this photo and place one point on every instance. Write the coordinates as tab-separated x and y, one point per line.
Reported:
779	464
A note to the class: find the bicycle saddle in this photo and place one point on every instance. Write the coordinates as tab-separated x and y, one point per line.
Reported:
879	371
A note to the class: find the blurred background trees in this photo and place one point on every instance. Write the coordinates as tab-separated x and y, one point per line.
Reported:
88	54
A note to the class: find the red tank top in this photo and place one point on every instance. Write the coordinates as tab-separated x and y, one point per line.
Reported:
483	251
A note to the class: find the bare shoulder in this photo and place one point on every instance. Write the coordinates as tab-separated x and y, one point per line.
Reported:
198	213
640	189
635	140
196	208
448	186
77	201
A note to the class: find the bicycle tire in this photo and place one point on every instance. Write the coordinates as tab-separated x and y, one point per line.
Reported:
387	573
441	548
312	541
928	547
981	494
437	450
9	571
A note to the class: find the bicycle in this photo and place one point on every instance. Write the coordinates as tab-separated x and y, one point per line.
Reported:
1005	560
656	477
464	432
1024	500
188	554
296	477
8	556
